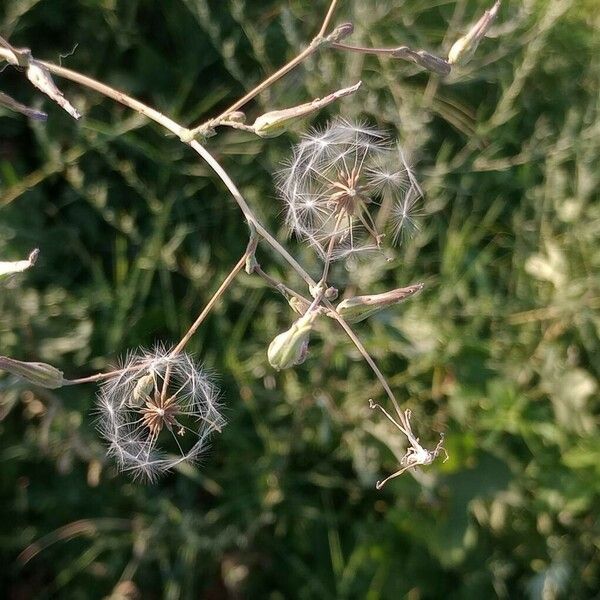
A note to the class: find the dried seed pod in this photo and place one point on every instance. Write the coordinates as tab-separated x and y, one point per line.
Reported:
158	412
346	187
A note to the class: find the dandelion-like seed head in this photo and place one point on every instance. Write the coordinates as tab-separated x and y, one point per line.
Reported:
157	412
346	188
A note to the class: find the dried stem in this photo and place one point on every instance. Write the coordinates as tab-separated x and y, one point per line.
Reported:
103	376
338	221
280	287
359	346
226	283
186	136
363	50
327	18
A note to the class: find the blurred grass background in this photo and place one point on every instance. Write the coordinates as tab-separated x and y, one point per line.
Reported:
500	351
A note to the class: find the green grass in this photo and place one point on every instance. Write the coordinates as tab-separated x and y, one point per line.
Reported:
501	351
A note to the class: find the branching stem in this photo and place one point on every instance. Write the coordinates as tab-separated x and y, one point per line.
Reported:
269	81
186	136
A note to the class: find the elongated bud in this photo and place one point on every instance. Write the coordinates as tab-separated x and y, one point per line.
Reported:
464	48
6	268
40	374
424	59
360	308
275	122
291	347
41	78
12	104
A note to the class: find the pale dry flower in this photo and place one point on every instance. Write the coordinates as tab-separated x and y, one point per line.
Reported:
158	411
346	188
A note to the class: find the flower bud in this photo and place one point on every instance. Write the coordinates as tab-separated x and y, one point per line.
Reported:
41	78
424	59
6	268
12	104
340	32
275	122
464	48
40	374
143	388
237	116
290	348
359	308
298	305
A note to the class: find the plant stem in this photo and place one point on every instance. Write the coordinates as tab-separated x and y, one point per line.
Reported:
226	283
363	50
323	281
277	285
118	96
359	346
327	18
222	174
183	134
102	376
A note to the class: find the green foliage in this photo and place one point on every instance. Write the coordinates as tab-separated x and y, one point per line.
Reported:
501	350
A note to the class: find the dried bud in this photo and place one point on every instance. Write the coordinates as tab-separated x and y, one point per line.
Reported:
340	32
6	268
464	48
37	373
237	116
359	308
331	293
424	59
275	122
291	347
299	305
40	77
12	104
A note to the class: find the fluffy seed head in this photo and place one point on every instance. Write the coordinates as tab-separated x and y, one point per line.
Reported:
158	412
346	187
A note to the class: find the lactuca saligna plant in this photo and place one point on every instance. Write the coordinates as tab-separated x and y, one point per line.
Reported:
348	189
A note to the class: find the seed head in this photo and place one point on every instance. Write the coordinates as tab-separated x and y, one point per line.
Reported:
346	187
158	412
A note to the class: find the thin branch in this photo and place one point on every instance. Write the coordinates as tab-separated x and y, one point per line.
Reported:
226	283
359	346
222	174
327	18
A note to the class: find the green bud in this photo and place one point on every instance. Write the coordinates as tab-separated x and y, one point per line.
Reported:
359	308
291	347
37	373
464	48
298	305
143	388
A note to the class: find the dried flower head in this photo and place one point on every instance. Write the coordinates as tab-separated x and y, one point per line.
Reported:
346	187
158	412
